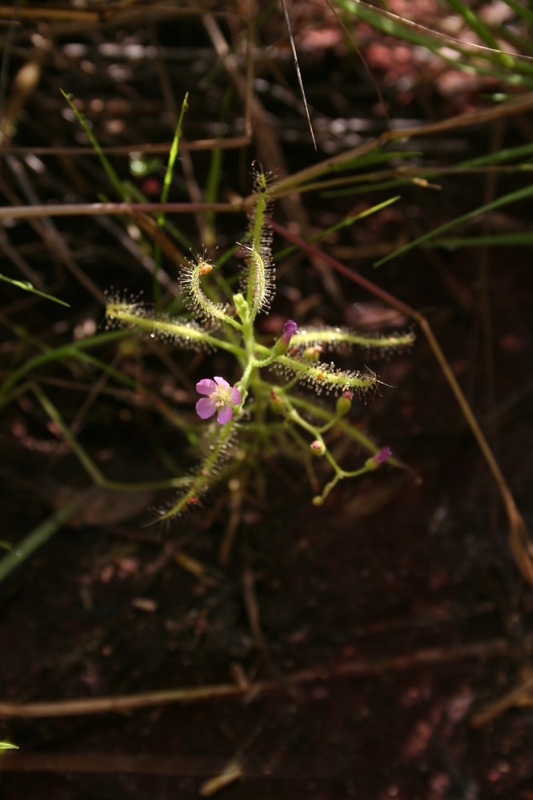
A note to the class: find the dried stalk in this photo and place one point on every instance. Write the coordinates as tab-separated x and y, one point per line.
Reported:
494	648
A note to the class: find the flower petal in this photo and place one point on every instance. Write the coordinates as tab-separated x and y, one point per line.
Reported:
234	395
222	382
206	386
224	414
205	407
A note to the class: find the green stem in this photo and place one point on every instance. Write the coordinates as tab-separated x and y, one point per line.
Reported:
87	462
71	350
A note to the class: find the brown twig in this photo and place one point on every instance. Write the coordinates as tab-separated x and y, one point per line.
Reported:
163	148
494	648
517	105
519	696
303	767
97	209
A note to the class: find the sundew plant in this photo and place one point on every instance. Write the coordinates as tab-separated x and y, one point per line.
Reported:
262	412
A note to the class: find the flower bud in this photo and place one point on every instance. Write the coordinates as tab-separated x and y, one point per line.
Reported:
313	352
318	448
378	459
344	404
241	306
282	345
277	403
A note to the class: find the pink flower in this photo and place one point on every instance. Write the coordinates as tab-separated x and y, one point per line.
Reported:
220	396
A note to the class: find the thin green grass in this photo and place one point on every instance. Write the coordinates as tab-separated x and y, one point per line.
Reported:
512	197
488	240
347	222
522	11
29	287
488	59
214	175
164	197
38	537
117	184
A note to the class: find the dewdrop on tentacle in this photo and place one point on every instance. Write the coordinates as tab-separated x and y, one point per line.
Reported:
258	277
194	297
117	303
339	338
326	377
148	323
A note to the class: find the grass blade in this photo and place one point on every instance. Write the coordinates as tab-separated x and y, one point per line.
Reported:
29	287
479	27
298	73
37	538
344	223
215	173
521	10
494	240
110	172
512	197
164	196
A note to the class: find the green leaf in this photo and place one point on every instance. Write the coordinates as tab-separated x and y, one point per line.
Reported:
344	223
512	197
479	27
36	539
375	158
510	68
111	174
492	240
519	9
8	746
164	195
29	287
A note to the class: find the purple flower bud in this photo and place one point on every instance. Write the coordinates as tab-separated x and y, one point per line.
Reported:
291	328
382	456
378	459
282	345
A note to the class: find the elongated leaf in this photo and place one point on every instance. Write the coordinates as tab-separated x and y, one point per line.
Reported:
345	223
29	287
394	25
36	539
478	26
522	11
376	157
492	240
164	196
111	174
512	197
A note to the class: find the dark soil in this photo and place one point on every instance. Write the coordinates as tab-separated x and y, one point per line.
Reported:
401	588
